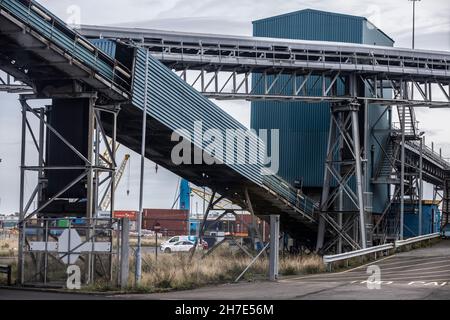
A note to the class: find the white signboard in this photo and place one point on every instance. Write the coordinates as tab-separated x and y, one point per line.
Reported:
70	246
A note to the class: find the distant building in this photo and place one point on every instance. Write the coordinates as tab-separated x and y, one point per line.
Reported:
8	222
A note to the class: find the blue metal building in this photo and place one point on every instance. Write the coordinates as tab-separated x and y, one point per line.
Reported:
303	126
431	219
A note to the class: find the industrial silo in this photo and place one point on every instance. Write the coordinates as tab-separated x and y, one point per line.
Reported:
304	126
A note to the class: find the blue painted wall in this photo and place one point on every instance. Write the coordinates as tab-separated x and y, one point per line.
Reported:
304	127
431	219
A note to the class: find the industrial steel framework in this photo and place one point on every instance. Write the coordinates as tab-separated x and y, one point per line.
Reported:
324	64
95	165
220	67
9	85
307	64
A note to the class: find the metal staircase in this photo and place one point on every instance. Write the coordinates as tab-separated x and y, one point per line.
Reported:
411	124
387	169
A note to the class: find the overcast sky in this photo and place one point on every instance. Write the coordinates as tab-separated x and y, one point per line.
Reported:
229	17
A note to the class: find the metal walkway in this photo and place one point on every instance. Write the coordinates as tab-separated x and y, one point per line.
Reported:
378	67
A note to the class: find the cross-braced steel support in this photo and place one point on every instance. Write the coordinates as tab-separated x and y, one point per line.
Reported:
343	179
253	227
86	205
446	204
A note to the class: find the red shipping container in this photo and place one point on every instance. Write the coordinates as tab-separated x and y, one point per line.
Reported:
171	222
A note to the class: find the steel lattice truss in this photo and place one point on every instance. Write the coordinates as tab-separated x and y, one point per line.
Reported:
10	85
294	69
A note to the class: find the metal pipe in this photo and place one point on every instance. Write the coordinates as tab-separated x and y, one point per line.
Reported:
91	205
253	261
421	185
359	186
138	271
402	178
274	247
414	24
366	145
20	267
326	185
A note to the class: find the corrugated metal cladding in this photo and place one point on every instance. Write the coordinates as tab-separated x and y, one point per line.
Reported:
107	46
431	219
178	106
304	127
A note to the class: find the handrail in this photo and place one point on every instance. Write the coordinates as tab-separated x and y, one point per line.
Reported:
357	253
400	243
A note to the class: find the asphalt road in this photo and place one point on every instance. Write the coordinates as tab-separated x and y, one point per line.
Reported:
418	274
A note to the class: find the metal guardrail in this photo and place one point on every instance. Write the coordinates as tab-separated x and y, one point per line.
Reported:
358	253
8	271
389	246
401	243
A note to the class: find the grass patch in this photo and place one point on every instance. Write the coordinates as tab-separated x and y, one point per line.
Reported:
147	242
9	247
176	272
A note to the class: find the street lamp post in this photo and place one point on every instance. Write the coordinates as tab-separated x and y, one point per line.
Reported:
414	22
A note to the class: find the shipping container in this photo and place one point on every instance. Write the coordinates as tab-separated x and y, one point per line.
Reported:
171	222
303	126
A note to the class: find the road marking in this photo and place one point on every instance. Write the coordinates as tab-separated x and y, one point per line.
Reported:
413	265
422	270
412	283
323	275
394	277
401	260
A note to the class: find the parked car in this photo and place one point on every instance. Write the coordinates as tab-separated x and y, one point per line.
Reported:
201	244
180	246
180	238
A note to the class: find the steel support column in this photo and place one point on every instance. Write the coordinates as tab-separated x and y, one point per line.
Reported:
420	186
402	174
344	161
91	169
274	247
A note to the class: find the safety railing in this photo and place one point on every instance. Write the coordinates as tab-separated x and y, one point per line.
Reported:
328	260
295	198
47	25
427	151
357	253
401	243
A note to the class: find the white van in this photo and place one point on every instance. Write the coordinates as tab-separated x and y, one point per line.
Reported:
179	238
174	240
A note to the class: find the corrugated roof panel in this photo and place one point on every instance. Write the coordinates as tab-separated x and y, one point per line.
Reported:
177	105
